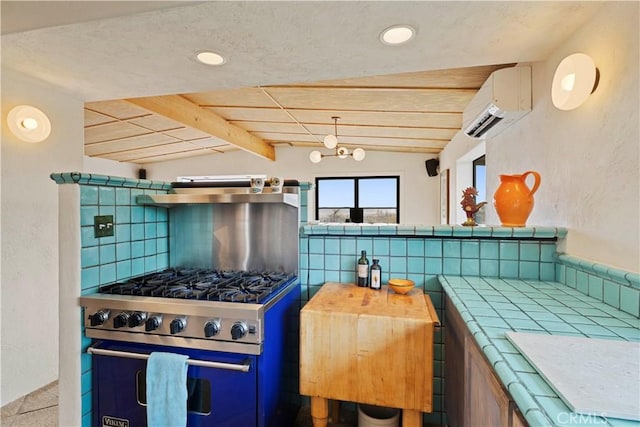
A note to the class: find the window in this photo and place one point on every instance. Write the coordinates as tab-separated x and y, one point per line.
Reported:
358	199
480	184
479	178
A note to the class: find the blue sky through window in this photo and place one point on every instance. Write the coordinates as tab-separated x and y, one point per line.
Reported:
372	193
481	183
377	193
336	193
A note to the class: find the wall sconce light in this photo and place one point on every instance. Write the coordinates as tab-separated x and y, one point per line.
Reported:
29	123
576	78
331	142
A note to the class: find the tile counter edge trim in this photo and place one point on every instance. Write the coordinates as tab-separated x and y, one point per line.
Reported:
507	376
534	233
601	270
107	180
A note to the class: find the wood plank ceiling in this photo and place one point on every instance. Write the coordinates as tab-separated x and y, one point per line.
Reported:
412	112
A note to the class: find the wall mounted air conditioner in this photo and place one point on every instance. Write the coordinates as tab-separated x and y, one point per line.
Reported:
502	100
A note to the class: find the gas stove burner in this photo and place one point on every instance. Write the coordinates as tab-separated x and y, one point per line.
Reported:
188	271
241	293
202	284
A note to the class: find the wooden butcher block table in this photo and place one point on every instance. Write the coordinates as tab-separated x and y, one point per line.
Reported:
367	346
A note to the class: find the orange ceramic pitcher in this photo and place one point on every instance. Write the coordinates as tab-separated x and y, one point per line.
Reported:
513	200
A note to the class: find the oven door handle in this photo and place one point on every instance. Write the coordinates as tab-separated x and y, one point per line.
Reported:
242	367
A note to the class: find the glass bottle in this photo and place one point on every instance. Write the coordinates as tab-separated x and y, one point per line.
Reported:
363	269
376	275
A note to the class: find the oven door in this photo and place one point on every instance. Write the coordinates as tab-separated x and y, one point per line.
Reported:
217	396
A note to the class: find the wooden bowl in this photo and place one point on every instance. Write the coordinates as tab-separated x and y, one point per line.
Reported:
401	286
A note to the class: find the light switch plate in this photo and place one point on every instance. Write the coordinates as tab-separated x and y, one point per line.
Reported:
103	225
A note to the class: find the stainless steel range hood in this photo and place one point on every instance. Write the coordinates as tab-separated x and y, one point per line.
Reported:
224	192
232	225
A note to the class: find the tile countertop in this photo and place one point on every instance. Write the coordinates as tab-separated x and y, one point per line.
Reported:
491	306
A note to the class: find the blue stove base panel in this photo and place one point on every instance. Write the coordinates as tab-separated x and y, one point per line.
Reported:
218	397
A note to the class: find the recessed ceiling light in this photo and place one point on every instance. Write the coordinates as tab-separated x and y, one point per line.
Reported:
210	58
397	34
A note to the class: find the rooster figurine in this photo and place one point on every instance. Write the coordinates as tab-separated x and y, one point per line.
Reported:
470	206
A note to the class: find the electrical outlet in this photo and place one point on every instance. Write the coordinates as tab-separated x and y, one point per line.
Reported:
103	225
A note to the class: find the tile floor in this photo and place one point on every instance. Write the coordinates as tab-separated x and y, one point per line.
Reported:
37	409
40	409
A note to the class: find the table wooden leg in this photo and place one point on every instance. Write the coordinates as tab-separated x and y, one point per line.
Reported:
335	411
411	418
319	411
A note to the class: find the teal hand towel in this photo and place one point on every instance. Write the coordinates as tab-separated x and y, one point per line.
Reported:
166	390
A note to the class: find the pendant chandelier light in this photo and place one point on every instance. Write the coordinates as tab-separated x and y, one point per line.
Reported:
331	142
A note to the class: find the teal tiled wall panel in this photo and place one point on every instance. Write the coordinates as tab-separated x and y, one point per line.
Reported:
304	201
139	244
427	257
617	288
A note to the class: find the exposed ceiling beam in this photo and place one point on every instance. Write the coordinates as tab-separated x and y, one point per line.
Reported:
184	111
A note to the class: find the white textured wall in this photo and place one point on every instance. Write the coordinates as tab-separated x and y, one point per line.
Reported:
419	198
29	275
588	157
110	167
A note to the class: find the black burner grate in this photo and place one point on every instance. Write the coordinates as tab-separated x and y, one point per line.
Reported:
212	285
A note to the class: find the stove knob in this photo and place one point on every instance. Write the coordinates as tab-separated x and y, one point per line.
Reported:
211	328
177	325
99	317
238	330
137	319
152	323
121	320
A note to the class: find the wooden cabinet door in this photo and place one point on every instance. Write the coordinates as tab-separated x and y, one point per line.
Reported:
517	419
454	366
473	395
487	404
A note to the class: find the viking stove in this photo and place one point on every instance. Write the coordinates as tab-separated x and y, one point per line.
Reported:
230	302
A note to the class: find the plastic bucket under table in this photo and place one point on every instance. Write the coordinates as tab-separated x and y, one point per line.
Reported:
377	416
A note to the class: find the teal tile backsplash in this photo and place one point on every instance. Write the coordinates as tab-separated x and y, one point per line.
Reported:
616	288
630	300
135	248
470	249
433	248
415	248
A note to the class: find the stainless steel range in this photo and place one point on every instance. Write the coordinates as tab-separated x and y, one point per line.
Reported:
230	302
205	309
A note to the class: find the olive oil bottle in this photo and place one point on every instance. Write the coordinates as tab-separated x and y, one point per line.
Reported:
363	270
